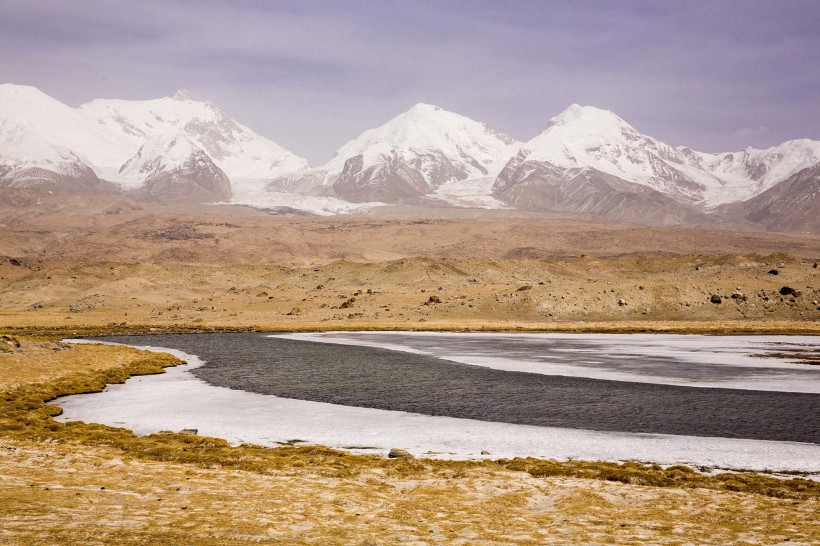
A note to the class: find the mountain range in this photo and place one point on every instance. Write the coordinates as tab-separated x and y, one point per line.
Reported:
587	162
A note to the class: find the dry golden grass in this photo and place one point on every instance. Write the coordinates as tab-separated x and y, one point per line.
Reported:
92	484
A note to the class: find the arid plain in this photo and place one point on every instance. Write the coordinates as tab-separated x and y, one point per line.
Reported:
77	263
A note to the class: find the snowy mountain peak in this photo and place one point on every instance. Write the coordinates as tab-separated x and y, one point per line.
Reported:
13	89
423	107
426	130
160	153
585	136
182	94
589	119
171	167
22	146
236	149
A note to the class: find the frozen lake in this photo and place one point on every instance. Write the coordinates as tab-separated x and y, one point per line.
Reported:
704	400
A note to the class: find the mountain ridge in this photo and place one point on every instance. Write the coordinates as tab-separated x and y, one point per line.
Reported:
586	161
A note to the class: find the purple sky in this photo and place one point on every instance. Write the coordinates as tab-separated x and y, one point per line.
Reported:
311	75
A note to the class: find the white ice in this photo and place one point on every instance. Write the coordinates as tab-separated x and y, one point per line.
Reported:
472	193
178	399
253	193
738	353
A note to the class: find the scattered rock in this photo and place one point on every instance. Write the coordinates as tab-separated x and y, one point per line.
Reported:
622	302
485	452
397	453
347	304
715	299
433	299
774	272
295	311
815	265
319	286
15	261
189	431
262	295
11	340
789	291
738	296
525	287
781	264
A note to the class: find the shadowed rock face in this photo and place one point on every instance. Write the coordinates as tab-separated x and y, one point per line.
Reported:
392	181
534	185
791	205
73	177
197	180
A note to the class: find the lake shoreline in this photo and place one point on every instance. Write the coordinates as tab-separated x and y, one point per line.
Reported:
566	440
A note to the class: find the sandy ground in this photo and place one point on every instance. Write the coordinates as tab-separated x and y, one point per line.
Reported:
93	485
606	294
72	260
98	228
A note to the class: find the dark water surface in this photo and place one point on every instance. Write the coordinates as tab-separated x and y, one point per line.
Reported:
391	380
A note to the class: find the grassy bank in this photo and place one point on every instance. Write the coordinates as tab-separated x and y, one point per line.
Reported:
42	370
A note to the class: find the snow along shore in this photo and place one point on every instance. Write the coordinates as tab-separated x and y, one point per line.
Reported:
177	399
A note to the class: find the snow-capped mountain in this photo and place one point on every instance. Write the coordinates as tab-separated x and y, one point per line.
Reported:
61	126
751	172
540	185
172	168
100	137
236	149
26	160
586	161
790	205
408	157
585	136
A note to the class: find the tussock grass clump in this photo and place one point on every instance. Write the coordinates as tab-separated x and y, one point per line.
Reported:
680	476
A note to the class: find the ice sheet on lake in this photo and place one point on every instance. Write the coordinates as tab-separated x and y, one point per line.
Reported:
729	362
177	400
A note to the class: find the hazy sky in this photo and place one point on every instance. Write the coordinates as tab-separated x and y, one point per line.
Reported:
311	75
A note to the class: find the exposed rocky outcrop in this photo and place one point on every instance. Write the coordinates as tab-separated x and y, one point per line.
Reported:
791	205
173	169
534	185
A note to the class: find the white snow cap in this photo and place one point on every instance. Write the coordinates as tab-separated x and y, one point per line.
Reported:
426	128
160	153
585	136
182	94
236	149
